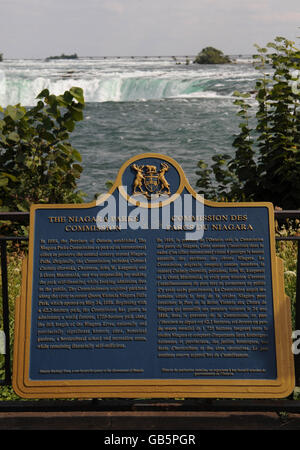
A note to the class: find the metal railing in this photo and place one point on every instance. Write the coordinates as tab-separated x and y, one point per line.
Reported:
121	404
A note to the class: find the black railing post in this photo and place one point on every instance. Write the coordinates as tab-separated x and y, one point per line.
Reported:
5	309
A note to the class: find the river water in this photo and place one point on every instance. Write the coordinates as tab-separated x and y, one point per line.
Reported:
135	105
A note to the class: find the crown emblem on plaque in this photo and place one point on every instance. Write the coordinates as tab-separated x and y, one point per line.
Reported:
151	181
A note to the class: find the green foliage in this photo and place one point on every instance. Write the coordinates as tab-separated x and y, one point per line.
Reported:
210	55
37	161
266	164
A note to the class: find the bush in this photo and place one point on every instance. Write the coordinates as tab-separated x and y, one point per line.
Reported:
266	163
37	162
210	55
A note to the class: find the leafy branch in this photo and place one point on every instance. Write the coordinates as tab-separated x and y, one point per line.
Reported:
266	163
38	164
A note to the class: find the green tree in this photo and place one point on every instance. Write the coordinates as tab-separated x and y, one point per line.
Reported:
266	163
211	55
38	164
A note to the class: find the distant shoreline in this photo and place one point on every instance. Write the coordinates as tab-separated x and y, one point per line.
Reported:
62	56
240	57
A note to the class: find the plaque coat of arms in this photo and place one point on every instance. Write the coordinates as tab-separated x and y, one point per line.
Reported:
149	180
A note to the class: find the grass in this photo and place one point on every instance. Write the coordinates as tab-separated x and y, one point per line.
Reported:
287	250
14	266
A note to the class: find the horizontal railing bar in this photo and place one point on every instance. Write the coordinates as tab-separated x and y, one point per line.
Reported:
287	214
119	404
17	216
287	238
13	238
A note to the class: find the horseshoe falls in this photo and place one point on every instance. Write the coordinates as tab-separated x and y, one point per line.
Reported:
163	104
